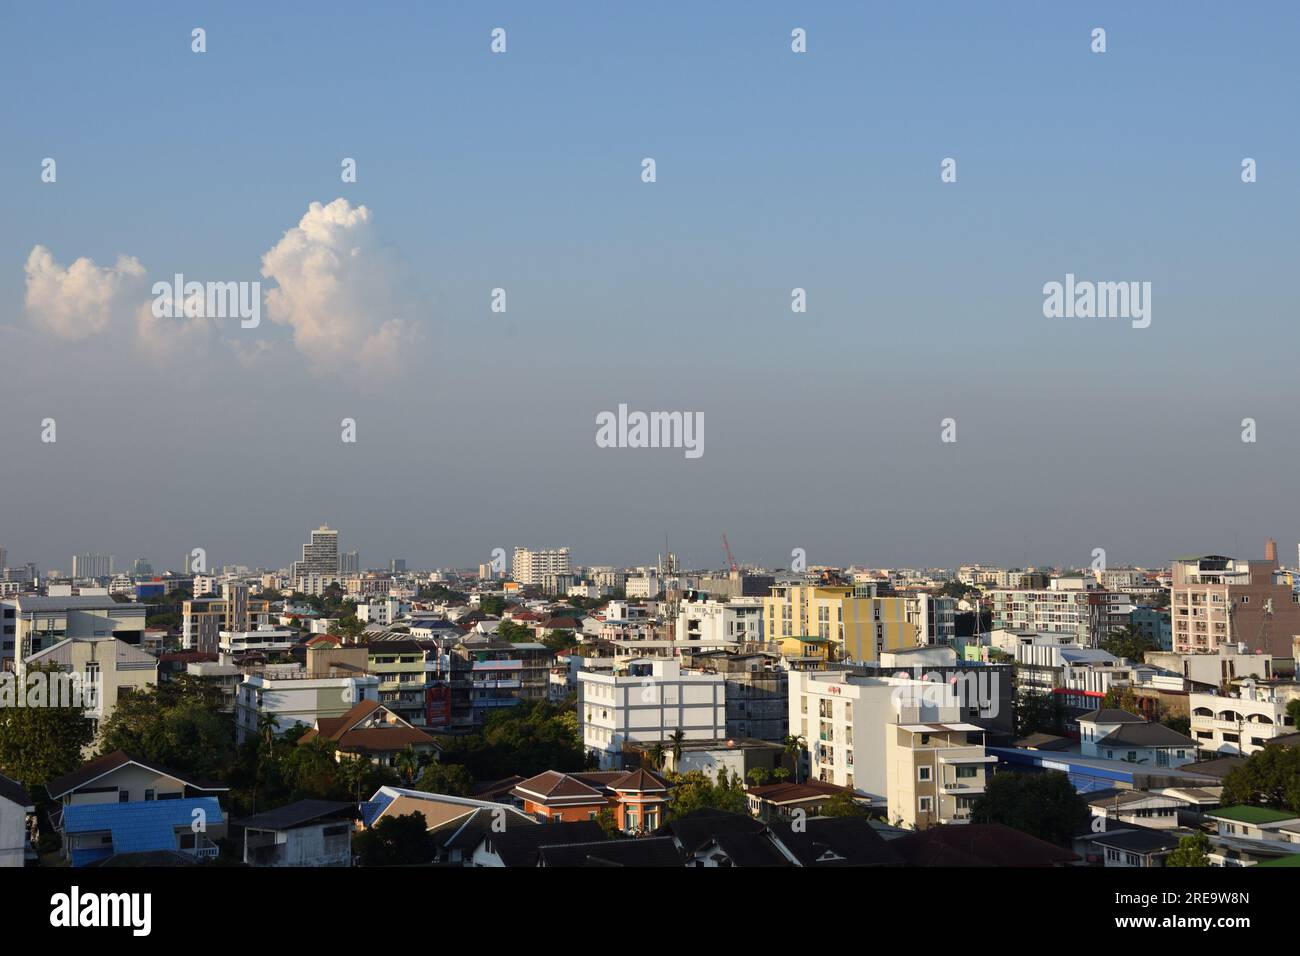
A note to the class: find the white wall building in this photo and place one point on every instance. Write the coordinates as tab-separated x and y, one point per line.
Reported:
720	623
649	704
529	566
293	697
1243	724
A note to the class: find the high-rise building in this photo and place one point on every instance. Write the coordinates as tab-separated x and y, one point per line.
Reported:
397	566
320	555
92	566
1218	600
530	567
850	619
4	559
349	562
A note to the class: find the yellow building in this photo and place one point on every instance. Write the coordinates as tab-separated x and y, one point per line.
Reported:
854	623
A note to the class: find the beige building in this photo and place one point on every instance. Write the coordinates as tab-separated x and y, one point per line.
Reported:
901	742
1218	600
203	619
112	667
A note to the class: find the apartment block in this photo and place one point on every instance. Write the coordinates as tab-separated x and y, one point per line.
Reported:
1215	599
1243	723
648	704
898	741
856	624
530	566
203	619
1069	606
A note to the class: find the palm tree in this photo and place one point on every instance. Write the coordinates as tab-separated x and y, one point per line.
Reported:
676	738
407	763
657	754
794	748
266	726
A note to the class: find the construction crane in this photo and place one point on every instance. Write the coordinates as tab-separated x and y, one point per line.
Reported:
731	560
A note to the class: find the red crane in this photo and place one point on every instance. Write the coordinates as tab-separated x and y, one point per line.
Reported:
730	558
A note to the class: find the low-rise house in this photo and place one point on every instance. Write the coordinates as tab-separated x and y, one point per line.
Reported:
639	852
834	841
1118	735
99	832
1129	846
522	846
979	844
16	809
372	731
1253	823
1136	808
1245	723
457	824
787	801
120	777
306	833
714	838
637	799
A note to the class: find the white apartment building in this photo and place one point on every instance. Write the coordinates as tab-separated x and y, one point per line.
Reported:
293	696
320	555
265	639
899	741
1242	724
384	612
646	585
1068	606
649	703
530	566
720	623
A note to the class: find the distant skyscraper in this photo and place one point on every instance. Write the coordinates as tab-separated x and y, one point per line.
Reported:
92	565
349	562
141	568
4	559
321	554
530	567
397	566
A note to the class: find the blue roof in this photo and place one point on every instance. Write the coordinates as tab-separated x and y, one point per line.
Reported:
143	825
371	809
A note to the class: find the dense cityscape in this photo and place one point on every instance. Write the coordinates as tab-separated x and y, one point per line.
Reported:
539	712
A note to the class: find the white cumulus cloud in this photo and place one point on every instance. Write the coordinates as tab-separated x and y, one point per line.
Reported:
335	290
77	301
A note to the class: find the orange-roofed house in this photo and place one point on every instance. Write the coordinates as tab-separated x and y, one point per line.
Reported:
637	798
372	731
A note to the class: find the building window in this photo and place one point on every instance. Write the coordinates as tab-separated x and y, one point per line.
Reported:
923	774
925	804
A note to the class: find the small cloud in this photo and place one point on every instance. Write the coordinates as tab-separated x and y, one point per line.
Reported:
77	301
335	290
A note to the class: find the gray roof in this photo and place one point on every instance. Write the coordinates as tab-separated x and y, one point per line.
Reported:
1112	715
13	791
298	814
1140	840
1146	735
28	602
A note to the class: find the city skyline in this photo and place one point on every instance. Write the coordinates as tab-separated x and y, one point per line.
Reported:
775	171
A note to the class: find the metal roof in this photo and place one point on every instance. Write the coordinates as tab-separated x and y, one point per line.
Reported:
141	826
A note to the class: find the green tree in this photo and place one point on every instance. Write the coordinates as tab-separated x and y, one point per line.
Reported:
395	841
1192	850
179	724
843	805
1127	642
39	744
677	738
794	749
1269	778
1121	698
1038	712
695	791
408	765
605	820
657	755
1044	805
759	775
449	778
533	736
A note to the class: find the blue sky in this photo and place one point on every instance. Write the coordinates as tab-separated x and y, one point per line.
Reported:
775	170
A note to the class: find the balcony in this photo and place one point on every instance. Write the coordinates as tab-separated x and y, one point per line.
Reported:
973	787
